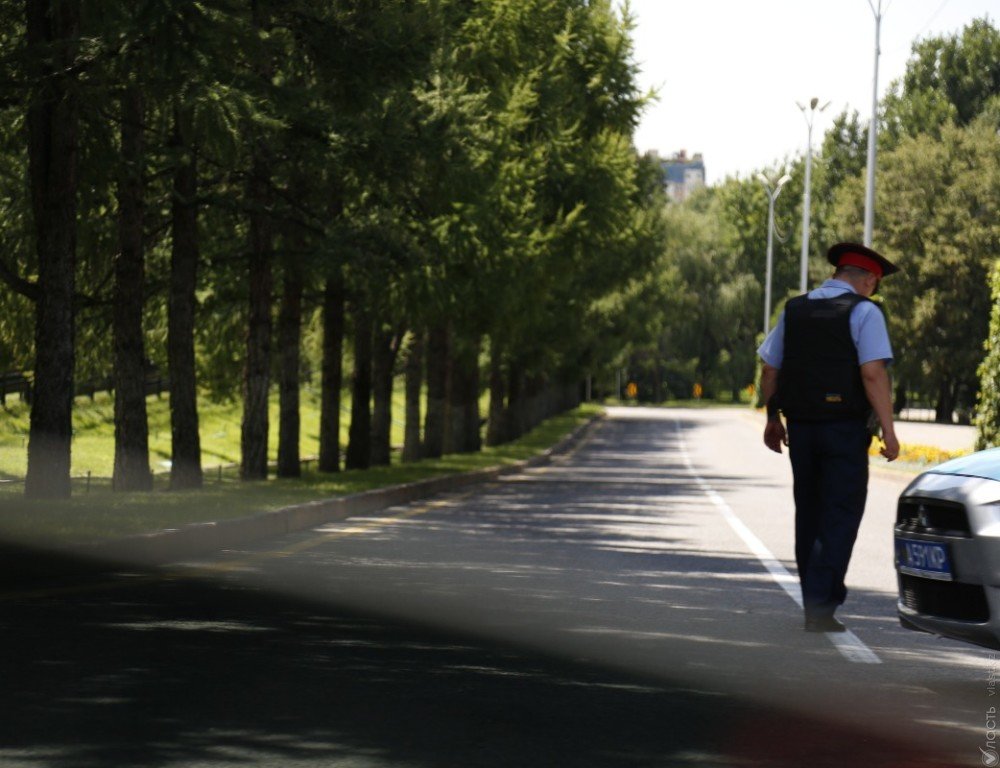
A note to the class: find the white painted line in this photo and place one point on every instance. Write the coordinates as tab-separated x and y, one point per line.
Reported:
852	649
849	644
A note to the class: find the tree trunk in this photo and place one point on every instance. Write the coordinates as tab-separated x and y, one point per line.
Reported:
383	360
412	450
359	436
515	420
473	436
257	378
532	402
576	395
498	410
899	399
257	373
540	400
289	342
185	463
437	391
945	408
53	135
462	433
332	375
131	464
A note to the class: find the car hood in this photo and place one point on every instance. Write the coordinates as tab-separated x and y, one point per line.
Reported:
981	464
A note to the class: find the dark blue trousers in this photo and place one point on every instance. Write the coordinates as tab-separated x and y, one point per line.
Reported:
830	470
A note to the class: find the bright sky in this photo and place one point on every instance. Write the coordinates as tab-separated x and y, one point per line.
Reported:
729	72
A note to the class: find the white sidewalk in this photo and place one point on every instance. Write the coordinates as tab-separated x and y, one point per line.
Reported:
947	437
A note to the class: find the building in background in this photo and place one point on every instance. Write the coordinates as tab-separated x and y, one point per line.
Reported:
682	174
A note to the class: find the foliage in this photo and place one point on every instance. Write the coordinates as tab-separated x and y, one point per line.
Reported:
919	455
451	160
939	203
937	208
948	79
472	164
988	404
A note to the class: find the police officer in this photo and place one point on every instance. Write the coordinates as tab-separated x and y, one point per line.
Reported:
825	370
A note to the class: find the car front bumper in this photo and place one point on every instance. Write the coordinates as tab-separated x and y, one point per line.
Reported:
960	516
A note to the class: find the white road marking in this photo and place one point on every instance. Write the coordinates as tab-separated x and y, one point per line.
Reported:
850	645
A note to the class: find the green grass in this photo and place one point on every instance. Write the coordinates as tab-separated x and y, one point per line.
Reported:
98	513
94	429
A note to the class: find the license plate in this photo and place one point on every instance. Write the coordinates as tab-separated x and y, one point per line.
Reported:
923	558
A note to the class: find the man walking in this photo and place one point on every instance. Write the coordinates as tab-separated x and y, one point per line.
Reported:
825	370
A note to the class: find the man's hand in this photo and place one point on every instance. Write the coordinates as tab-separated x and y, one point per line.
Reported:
877	387
775	435
890	447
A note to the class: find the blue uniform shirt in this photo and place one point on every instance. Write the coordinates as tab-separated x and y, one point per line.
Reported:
871	337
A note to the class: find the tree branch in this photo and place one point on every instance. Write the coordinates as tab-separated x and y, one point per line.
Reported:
17	283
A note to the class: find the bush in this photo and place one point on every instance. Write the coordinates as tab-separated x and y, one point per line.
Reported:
988	406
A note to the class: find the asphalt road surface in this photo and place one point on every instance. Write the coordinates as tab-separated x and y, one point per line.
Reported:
632	604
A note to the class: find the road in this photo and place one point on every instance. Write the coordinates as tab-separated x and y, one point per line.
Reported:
632	604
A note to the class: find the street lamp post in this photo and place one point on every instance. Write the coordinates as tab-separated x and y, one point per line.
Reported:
872	134
772	195
804	261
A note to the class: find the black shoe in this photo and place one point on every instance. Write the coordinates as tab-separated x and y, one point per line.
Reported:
823	624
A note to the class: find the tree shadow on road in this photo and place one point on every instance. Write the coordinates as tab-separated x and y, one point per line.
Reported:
184	672
518	629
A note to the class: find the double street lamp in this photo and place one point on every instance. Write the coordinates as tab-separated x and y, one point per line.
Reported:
773	190
804	261
872	133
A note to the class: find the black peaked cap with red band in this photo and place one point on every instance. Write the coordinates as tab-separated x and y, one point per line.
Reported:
852	254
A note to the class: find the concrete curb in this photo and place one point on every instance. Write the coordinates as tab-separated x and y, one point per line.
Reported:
173	544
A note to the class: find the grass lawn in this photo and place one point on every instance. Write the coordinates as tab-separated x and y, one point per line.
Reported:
95	512
94	429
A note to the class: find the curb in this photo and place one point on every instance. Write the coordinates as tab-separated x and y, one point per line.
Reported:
194	539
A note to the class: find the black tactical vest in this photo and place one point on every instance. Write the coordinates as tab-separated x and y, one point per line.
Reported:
820	378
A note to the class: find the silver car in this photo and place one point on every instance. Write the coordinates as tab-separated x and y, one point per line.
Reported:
947	537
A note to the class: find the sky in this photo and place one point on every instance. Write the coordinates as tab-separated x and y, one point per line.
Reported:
729	72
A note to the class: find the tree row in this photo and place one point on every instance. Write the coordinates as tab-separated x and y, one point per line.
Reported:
229	190
937	210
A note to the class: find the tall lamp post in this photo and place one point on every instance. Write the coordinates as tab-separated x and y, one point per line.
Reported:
872	133
772	195
804	261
